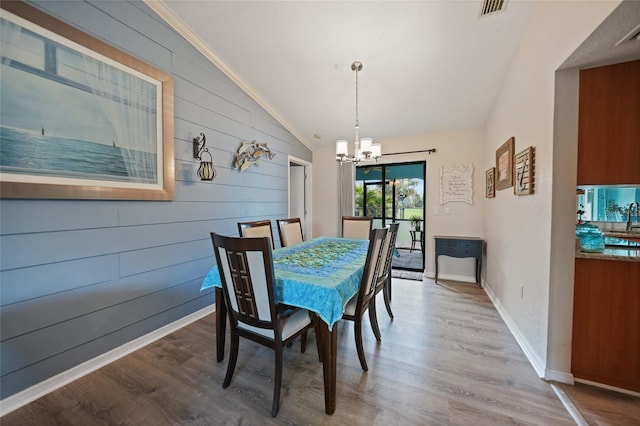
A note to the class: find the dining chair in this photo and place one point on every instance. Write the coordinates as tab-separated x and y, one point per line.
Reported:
246	272
258	228
356	227
383	283
290	231
360	302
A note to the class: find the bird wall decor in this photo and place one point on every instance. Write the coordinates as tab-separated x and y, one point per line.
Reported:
249	153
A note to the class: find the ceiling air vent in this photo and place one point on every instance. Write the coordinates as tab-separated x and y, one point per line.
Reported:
633	35
490	7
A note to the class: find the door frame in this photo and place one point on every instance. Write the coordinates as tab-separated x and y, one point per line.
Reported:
383	184
306	227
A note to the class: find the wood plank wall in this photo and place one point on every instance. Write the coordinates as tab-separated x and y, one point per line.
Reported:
79	278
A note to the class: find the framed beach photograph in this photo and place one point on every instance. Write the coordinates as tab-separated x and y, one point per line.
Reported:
79	119
504	164
524	171
490	183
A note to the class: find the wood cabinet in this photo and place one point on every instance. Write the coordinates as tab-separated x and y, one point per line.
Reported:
606	323
609	125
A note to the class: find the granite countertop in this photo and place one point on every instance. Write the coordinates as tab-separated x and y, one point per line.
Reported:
625	254
622	234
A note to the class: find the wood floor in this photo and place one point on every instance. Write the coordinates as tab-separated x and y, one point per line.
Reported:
446	358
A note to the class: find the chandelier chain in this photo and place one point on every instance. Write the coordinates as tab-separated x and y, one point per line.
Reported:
357	121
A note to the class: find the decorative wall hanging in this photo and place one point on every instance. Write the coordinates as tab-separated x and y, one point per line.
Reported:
249	154
490	183
504	164
206	171
524	165
456	183
80	118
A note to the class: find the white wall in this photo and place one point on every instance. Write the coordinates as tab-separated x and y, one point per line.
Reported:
519	230
463	147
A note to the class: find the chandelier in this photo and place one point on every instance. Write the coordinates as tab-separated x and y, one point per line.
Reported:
364	149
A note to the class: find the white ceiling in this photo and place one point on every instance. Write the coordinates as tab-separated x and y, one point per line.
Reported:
428	66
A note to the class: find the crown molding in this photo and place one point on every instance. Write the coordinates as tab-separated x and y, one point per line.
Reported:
160	8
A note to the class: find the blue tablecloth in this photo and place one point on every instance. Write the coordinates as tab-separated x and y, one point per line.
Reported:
320	275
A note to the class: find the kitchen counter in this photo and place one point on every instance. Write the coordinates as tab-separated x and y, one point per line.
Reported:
623	234
625	254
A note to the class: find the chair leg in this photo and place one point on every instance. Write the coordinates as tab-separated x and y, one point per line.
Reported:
358	331
373	319
233	357
386	292
277	382
303	342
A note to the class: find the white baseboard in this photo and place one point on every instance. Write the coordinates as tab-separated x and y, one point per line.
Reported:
535	361
36	391
462	278
559	376
611	388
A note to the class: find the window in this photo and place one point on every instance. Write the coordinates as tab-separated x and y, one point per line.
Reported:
606	204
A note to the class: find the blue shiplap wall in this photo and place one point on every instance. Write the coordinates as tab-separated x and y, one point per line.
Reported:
78	278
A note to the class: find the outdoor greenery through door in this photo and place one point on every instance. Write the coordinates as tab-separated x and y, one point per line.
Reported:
395	192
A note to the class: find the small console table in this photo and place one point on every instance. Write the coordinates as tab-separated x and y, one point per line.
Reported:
460	247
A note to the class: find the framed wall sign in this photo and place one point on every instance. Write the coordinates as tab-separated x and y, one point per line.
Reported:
490	183
524	172
456	183
79	118
504	164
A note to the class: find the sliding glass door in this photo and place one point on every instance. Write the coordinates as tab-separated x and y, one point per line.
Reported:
395	192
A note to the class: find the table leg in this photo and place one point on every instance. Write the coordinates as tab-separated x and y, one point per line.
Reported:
330	344
221	323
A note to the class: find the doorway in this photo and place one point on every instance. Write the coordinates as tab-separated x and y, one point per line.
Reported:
299	189
395	193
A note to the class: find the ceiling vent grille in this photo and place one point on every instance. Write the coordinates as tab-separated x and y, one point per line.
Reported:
490	7
633	35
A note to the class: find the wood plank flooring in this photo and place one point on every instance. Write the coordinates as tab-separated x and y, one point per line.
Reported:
446	358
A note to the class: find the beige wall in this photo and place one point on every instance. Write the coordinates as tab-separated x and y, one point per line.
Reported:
519	229
462	219
529	238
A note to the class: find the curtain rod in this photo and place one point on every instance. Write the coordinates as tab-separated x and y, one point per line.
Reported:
428	151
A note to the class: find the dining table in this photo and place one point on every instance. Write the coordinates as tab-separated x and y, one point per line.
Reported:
320	275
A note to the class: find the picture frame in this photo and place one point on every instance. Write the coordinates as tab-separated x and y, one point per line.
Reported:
490	183
504	164
80	119
456	183
524	172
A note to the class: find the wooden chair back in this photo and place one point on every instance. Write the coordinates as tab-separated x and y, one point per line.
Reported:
387	254
356	227
258	228
246	268
371	269
290	231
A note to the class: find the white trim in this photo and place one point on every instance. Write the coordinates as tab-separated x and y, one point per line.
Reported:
38	390
536	362
574	412
611	388
308	187
159	7
559	376
452	277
